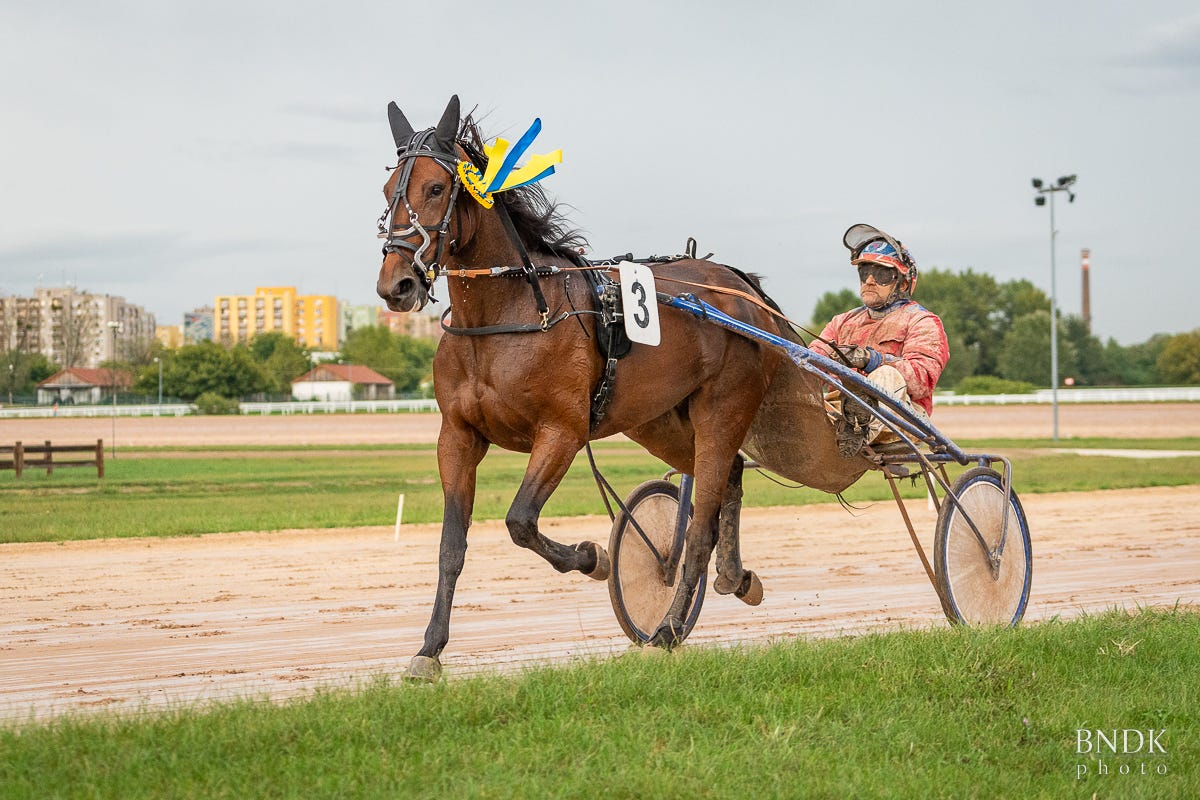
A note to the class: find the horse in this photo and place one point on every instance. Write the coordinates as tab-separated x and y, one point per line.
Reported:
519	366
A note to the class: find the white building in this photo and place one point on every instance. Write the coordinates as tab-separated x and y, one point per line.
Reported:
342	382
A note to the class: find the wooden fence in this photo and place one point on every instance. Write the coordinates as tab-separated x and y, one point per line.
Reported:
17	456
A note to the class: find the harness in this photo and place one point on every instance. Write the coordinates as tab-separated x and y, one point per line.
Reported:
612	340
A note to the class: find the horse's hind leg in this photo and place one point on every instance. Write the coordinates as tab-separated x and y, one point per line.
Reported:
551	458
720	413
712	475
731	577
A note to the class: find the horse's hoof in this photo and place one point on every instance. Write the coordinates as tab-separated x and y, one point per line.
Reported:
723	585
603	566
751	590
669	635
424	669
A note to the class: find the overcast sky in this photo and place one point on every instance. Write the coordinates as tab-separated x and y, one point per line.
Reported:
169	152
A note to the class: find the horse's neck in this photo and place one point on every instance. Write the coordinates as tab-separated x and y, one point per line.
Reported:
486	301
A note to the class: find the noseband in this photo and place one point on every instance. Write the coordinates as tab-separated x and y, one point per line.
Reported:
396	239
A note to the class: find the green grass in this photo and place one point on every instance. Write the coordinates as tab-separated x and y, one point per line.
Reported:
958	713
235	490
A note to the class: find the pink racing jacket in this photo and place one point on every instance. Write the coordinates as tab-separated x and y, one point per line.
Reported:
909	336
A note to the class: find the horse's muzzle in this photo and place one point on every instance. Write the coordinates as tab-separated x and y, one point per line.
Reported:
399	287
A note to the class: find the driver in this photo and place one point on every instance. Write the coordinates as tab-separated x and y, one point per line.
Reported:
898	344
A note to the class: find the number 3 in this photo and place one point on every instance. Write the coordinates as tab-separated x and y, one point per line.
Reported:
642	315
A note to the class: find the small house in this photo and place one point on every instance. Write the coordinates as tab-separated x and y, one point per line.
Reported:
342	382
83	386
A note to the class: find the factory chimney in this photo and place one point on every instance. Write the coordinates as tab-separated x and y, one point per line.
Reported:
1087	295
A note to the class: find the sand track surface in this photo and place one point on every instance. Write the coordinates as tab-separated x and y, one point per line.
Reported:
146	623
1127	420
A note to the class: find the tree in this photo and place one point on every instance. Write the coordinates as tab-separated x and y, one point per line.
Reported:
1025	352
962	364
195	369
138	351
20	373
965	302
830	304
1090	364
1179	361
1136	365
402	359
281	358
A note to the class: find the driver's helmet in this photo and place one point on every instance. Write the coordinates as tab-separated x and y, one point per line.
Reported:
869	245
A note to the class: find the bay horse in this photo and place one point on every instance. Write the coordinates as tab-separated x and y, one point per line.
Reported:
526	383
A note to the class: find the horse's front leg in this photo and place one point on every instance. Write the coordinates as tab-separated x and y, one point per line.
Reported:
549	461
460	449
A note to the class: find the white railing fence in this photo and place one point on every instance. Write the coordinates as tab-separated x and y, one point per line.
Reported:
1171	394
182	409
1164	394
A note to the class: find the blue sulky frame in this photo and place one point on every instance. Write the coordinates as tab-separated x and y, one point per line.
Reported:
913	431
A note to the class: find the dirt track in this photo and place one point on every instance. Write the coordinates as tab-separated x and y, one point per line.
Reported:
1157	420
130	624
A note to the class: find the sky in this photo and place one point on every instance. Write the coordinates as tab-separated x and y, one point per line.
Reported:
170	152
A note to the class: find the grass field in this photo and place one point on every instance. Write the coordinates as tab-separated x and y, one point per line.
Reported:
234	489
937	713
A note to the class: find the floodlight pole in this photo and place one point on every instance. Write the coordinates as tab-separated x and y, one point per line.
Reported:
1063	184
114	326
1053	320
159	362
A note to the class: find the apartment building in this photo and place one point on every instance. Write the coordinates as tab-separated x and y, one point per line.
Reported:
74	328
198	325
312	320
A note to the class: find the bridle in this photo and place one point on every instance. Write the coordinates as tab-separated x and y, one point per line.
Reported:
423	144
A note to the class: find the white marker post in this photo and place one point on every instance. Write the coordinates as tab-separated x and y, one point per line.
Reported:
399	513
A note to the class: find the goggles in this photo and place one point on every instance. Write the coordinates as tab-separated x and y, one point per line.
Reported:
884	276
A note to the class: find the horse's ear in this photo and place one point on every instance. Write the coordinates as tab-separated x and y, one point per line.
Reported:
447	128
402	131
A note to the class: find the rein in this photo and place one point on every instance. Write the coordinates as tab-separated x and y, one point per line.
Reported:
495	272
758	302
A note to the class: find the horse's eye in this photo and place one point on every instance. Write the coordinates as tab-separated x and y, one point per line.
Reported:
436	190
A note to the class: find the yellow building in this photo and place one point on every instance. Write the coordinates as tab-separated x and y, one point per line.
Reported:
171	336
317	321
312	320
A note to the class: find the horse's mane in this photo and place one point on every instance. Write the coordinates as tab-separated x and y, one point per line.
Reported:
540	224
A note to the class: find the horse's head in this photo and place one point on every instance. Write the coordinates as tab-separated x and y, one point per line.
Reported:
421	194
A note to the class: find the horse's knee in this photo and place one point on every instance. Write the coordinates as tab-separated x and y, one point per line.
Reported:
452	567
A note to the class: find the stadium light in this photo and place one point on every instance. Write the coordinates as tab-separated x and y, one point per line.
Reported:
1063	184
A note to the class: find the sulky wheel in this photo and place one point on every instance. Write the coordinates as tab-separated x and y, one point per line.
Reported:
637	586
973	592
